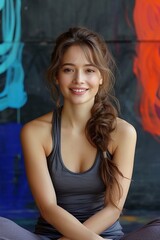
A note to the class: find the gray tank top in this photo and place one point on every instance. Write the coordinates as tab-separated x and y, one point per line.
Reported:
81	194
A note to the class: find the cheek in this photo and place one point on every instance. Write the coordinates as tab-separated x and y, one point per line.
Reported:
96	81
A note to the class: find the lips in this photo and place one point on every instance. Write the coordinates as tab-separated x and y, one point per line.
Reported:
79	90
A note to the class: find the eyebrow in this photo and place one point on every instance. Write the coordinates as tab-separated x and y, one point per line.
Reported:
72	64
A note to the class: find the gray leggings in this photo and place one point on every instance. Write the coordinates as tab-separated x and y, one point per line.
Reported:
11	231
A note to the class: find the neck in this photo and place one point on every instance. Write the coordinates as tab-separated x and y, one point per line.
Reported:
75	117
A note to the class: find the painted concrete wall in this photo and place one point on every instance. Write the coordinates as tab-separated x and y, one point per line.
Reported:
26	45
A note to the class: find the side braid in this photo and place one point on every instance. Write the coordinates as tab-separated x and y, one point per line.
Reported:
98	129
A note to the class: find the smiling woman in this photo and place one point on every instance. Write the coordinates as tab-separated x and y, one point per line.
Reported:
78	77
79	158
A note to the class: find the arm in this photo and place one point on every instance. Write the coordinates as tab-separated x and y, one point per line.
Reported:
33	139
123	155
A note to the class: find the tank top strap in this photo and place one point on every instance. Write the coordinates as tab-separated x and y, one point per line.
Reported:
56	127
56	131
109	155
56	122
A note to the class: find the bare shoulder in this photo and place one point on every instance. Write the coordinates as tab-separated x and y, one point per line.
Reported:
123	133
125	128
38	131
38	124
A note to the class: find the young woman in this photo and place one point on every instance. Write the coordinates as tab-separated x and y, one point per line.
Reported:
79	158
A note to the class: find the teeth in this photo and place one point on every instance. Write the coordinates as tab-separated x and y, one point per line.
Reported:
79	90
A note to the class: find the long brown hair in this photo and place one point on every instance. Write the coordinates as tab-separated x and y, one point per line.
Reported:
105	109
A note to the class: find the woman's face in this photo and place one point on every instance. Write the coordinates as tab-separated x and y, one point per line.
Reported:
78	79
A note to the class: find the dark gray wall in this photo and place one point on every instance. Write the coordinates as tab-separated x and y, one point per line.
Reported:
42	22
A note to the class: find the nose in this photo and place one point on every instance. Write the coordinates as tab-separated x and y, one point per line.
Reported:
78	77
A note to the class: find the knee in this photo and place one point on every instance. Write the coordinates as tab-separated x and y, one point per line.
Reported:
4	220
5	224
154	227
155	222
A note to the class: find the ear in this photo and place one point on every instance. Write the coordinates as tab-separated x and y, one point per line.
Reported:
57	81
100	81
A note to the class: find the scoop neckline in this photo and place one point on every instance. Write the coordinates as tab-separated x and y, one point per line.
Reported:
77	173
61	159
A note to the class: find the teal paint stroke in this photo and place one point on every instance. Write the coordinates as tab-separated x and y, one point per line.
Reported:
13	94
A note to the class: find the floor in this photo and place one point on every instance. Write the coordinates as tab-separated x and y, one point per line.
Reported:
132	220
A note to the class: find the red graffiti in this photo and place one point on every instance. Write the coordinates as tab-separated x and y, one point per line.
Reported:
147	62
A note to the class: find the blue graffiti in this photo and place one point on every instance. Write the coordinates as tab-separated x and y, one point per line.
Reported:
13	94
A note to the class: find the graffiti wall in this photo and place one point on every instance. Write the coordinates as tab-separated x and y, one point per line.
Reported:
28	31
147	63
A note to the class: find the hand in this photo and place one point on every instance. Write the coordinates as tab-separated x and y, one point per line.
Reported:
64	238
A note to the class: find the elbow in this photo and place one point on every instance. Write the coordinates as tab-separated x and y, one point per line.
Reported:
117	213
113	211
47	211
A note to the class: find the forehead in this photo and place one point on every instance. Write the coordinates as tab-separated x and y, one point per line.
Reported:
77	53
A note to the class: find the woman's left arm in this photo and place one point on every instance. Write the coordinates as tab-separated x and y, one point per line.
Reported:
123	156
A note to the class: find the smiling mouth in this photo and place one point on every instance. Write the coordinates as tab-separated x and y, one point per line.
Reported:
78	90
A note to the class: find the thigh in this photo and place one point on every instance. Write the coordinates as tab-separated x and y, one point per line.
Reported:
150	231
11	231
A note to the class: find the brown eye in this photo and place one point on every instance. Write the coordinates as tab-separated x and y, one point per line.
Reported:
89	70
68	70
